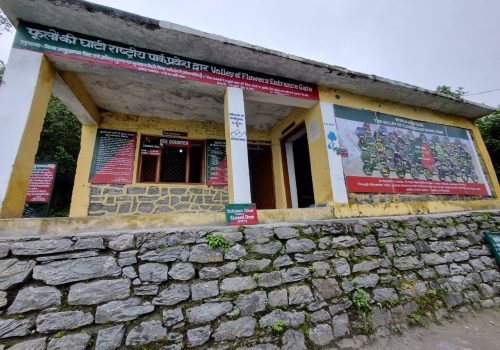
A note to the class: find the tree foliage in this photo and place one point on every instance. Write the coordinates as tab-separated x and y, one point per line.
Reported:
60	143
489	126
447	90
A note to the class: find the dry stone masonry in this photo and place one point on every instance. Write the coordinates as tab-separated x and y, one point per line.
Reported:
306	286
130	199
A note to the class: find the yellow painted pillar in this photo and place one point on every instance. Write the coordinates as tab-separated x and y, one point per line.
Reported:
81	188
24	97
483	151
318	153
236	146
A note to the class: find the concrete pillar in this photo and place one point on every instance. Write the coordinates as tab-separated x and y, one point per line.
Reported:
339	189
236	146
24	96
81	189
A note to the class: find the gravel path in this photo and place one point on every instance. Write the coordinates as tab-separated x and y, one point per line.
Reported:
471	331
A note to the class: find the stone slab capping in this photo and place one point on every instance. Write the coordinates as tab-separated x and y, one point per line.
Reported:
323	284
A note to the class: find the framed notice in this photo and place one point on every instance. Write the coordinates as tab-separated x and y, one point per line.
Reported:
41	183
216	168
241	214
389	154
114	156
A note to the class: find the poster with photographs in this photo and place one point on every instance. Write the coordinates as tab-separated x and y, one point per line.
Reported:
389	154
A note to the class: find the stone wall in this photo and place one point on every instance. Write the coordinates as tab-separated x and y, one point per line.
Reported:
313	285
133	199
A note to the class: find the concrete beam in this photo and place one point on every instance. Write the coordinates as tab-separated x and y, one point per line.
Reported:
68	88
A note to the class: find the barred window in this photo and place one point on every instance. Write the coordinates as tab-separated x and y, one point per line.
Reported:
168	160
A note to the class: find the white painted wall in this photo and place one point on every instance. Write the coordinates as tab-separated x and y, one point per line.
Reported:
238	144
16	96
337	179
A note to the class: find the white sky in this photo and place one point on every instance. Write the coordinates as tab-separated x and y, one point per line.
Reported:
421	42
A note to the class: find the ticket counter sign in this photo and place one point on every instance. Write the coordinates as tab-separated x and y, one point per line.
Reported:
41	183
241	214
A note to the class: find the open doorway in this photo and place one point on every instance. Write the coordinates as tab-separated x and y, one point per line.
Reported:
297	167
260	166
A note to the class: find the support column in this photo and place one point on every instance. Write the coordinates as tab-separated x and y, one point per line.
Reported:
339	189
81	188
24	96
236	146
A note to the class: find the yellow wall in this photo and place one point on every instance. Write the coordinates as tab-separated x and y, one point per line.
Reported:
197	130
320	171
343	98
317	148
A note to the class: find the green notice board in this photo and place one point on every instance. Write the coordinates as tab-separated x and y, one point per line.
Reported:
493	239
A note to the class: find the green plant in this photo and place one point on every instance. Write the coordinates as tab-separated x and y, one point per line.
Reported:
424	224
267	303
395	329
366	230
217	240
278	326
308	317
235	312
256	276
312	269
240	263
416	318
429	301
361	299
368	324
59	334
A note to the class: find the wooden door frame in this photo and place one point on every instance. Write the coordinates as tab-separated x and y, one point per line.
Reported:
284	160
270	149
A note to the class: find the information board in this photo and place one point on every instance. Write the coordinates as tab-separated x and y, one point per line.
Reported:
241	214
59	42
389	154
493	239
41	183
216	163
113	159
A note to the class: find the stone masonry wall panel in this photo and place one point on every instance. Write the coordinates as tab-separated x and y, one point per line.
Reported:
322	284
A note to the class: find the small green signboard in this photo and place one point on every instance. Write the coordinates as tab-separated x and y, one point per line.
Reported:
493	239
241	214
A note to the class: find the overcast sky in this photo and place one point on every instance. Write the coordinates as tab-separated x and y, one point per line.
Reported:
421	42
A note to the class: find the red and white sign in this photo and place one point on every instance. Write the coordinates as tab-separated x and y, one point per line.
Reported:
41	183
393	185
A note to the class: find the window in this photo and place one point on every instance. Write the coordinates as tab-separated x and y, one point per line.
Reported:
171	160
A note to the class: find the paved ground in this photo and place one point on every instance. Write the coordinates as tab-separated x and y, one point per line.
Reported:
472	331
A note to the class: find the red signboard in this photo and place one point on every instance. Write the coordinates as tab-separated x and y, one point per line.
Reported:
114	155
41	183
216	163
